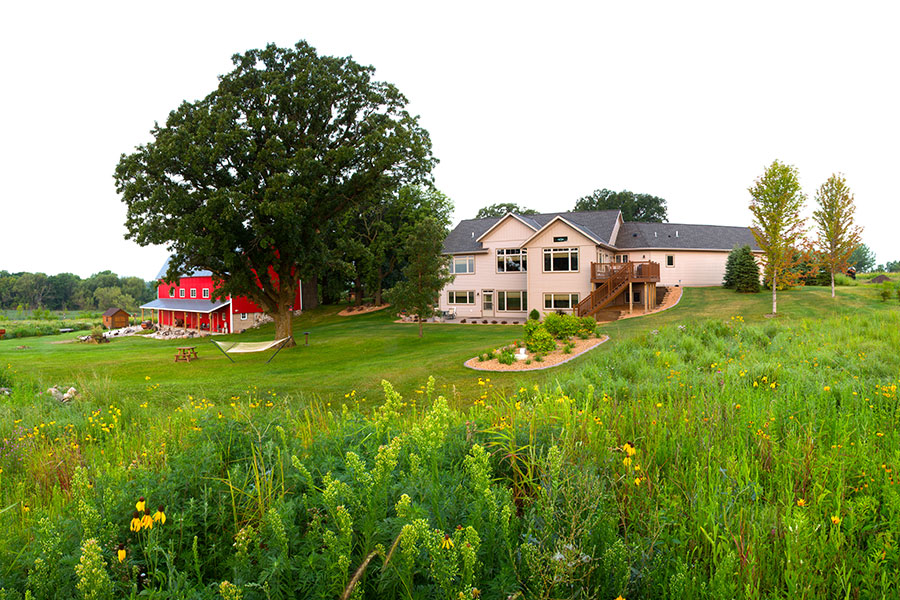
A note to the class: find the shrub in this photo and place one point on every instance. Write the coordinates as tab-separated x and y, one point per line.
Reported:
586	326
503	322
463	321
534	315
540	341
506	357
562	326
841	279
728	281
885	291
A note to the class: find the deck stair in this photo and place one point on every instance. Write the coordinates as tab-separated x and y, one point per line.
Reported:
613	280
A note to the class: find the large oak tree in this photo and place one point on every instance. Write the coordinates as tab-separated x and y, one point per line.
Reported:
635	207
243	181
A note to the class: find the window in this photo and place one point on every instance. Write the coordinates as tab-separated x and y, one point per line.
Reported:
512	301
181	293
461	297
206	292
171	292
622	258
560	301
511	260
243	316
462	265
670	260
560	259
636	297
193	292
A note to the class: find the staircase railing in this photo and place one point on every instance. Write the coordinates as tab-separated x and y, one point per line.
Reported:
606	290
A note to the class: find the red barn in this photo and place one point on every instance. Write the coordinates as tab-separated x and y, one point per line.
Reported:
191	303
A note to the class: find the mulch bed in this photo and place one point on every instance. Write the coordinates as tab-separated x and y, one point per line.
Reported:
880	279
553	359
361	310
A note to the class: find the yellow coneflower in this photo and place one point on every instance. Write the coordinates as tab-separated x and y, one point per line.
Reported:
135	521
140	505
159	516
446	543
626	461
629	449
121	553
147	520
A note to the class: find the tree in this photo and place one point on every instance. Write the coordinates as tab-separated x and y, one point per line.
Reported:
31	288
112	297
634	207
61	288
502	208
776	202
862	259
426	273
746	271
730	262
838	236
243	182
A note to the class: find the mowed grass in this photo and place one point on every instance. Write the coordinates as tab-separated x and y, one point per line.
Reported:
358	352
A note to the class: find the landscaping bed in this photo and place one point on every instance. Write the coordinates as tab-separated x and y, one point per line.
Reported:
557	357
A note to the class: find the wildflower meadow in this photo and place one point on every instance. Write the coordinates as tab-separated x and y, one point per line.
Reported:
716	459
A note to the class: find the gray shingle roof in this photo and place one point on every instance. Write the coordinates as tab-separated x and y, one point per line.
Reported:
599	226
663	235
194	273
193	305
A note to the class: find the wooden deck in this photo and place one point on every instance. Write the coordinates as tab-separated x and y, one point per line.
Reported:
615	278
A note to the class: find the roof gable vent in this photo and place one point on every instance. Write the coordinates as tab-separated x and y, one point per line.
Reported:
676	233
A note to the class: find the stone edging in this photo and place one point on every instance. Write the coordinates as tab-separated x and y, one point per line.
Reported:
603	340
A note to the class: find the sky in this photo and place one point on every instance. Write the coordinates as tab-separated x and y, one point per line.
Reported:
533	103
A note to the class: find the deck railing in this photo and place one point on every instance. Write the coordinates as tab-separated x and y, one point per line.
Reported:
612	277
639	269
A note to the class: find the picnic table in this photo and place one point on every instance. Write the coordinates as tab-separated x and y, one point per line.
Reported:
185	353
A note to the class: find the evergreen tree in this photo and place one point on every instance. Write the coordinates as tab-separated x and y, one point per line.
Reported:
728	280
746	271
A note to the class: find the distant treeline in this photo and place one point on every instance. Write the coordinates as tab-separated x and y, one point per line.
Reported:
67	291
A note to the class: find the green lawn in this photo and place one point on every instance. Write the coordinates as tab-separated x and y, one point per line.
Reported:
356	353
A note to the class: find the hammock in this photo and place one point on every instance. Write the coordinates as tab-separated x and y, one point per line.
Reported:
247	347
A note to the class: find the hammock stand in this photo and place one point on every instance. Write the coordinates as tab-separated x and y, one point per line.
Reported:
247	347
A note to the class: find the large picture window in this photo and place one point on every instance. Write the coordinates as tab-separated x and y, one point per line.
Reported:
560	301
455	297
462	265
512	301
511	260
560	259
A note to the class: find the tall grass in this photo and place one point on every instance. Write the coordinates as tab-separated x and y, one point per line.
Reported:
712	460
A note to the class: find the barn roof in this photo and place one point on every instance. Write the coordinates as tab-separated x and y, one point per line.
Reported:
194	273
183	304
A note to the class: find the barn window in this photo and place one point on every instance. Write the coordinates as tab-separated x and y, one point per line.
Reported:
193	292
206	292
243	316
181	293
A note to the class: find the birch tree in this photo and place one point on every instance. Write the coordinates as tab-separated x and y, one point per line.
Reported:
838	235
776	202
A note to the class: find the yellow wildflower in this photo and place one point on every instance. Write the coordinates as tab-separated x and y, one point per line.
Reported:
140	504
135	521
801	502
121	553
446	543
159	516
147	520
835	519
627	461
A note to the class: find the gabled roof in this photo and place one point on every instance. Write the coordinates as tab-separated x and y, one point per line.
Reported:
682	236
194	305
194	273
112	311
528	223
596	224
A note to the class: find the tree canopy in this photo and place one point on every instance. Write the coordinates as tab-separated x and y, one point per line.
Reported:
500	209
776	201
862	259
242	182
634	207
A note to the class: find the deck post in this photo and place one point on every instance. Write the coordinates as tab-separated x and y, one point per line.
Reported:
630	298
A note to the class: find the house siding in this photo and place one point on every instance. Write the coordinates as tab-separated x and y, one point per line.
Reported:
574	282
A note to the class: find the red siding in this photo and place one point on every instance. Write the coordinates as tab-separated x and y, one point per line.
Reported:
239	304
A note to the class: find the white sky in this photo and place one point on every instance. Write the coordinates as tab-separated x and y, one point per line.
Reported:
537	104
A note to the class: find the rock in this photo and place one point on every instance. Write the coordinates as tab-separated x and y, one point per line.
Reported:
5	391
70	394
57	395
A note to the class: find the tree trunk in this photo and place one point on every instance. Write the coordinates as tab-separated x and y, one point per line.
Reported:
420	325
832	283
774	297
284	325
309	292
378	299
358	290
